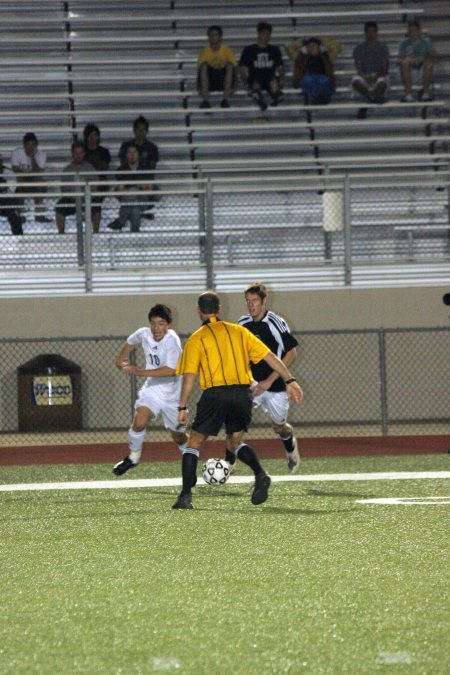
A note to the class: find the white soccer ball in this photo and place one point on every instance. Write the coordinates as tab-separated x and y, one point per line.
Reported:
215	471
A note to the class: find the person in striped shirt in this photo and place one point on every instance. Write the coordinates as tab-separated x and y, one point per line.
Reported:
269	390
219	354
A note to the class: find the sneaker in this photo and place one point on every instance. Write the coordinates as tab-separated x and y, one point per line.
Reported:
224	103
408	98
425	98
259	98
183	502
361	114
43	219
204	104
276	99
261	489
148	215
123	466
114	225
293	458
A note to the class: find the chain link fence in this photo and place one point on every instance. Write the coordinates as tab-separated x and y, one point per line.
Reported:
356	382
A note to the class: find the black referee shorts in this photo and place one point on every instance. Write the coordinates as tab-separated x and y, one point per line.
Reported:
230	406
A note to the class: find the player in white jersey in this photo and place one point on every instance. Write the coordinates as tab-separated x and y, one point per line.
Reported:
161	391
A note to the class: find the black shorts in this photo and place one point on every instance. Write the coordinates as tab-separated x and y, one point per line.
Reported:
230	406
67	207
263	79
216	78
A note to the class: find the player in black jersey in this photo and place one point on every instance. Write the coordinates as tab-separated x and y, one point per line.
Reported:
269	391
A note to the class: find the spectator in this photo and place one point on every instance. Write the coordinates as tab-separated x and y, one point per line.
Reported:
9	204
314	73
148	152
27	160
261	67
372	64
216	66
81	170
133	204
94	153
97	155
416	58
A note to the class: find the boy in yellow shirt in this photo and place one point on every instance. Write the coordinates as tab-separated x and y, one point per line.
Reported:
216	68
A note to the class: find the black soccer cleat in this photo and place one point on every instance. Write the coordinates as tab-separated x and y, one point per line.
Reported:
261	489
184	501
123	466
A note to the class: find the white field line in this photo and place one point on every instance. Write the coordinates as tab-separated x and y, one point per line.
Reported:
412	501
175	482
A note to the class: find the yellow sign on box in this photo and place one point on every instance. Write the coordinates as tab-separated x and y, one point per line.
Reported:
52	390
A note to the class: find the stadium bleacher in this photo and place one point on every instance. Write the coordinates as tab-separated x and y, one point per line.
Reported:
66	64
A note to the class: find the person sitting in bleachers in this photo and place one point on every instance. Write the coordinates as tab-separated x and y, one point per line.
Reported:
94	153
372	64
9	204
77	170
27	161
261	67
148	155
314	73
216	68
133	204
416	58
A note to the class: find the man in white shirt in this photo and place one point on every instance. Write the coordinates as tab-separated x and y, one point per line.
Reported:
160	393
29	159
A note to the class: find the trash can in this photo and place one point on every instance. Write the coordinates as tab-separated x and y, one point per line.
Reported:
49	394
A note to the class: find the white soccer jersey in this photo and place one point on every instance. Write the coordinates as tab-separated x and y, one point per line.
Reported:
165	352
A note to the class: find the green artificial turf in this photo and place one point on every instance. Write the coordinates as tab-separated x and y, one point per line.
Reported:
115	581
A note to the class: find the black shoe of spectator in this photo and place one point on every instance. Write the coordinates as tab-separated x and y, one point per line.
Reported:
148	215
224	103
205	104
114	225
361	114
43	219
259	98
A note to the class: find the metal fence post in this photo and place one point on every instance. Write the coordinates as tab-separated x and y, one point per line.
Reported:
88	238
201	221
209	246
79	220
347	232
383	381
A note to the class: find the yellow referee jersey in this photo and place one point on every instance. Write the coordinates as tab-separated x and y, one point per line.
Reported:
220	352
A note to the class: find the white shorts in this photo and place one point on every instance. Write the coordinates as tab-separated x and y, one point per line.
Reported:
167	409
372	85
275	404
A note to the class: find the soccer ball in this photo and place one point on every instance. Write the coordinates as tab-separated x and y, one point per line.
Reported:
215	471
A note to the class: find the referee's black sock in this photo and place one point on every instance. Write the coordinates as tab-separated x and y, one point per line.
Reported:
230	456
188	469
247	455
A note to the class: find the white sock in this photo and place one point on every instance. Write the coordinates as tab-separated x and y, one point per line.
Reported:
182	446
135	442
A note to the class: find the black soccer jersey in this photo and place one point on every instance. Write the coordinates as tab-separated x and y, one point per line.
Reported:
274	332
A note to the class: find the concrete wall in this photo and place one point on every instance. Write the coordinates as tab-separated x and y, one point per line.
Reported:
304	310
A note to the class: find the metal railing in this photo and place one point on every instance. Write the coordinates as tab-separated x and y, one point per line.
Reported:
219	224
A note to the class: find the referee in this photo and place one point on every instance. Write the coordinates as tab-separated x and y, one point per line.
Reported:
220	353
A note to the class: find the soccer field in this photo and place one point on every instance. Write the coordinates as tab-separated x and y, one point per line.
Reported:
333	574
